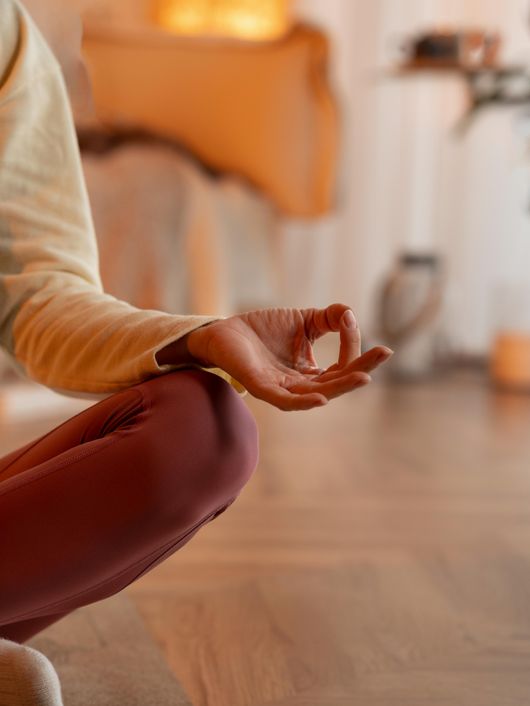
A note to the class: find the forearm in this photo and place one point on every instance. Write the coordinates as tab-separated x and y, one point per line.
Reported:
78	339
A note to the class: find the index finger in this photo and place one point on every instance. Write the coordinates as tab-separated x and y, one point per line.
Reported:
336	317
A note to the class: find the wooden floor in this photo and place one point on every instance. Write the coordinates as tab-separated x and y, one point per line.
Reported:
380	556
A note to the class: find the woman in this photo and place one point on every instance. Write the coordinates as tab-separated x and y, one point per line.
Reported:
109	494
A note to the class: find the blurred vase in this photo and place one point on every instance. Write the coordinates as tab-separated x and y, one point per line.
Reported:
409	314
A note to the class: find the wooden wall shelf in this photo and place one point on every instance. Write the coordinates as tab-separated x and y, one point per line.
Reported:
498	85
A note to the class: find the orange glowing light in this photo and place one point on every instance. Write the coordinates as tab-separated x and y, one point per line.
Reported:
242	19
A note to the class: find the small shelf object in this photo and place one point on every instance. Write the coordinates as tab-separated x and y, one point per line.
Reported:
472	55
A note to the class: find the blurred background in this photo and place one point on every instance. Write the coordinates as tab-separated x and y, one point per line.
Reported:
245	153
296	153
242	154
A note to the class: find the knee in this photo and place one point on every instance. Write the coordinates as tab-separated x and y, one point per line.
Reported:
210	441
229	438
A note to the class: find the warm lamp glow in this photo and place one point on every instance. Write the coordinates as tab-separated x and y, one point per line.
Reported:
243	19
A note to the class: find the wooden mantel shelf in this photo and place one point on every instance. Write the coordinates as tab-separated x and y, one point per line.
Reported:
264	111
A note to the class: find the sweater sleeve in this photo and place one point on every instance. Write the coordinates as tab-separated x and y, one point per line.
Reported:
55	319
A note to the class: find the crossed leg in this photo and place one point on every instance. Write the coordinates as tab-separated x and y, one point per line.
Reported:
112	492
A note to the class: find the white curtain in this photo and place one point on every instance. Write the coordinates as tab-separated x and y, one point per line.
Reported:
407	182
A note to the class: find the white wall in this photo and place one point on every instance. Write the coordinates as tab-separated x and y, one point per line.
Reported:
408	181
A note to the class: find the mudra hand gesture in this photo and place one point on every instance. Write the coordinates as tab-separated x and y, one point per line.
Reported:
270	352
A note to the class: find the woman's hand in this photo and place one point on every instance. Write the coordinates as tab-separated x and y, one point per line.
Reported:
270	352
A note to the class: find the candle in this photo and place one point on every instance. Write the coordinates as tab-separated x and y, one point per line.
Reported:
510	360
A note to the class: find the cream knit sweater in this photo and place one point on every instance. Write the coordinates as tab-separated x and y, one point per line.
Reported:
55	319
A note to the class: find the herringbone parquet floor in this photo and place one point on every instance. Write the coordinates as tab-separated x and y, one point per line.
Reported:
379	557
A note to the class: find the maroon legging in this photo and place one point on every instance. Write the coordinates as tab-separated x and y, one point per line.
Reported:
99	501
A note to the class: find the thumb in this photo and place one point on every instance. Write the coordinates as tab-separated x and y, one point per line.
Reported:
319	322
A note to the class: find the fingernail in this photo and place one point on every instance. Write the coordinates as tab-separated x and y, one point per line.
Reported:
349	319
384	355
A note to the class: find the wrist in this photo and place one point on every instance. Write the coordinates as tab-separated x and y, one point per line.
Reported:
197	345
186	350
